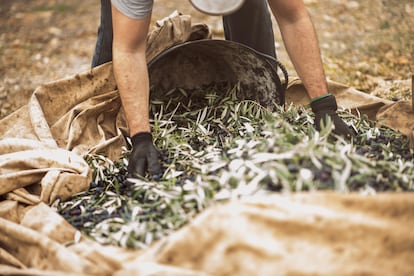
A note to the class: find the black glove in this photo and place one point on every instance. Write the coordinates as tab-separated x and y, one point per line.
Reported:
326	106
144	156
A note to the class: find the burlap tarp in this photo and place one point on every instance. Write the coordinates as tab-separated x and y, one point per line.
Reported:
312	234
41	159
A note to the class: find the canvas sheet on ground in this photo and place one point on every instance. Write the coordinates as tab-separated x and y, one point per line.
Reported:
41	158
300	234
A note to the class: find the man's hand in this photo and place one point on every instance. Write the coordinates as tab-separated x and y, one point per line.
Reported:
144	156
326	107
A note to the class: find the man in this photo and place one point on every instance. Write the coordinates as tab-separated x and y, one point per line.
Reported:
130	23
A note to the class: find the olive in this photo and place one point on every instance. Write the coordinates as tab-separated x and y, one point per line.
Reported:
292	168
75	212
156	177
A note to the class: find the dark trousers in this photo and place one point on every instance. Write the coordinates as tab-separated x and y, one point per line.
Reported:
250	25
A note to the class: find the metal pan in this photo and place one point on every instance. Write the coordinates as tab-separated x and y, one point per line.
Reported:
217	7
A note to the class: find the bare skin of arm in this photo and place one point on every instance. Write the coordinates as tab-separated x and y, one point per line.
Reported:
301	43
130	69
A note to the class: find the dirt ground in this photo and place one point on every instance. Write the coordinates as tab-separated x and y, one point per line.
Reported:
367	44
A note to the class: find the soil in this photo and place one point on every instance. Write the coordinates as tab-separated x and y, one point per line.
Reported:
364	44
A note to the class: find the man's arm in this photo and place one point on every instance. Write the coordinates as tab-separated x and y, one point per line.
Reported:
301	43
131	74
302	46
130	68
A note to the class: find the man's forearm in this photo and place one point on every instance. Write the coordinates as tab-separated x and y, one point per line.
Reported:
304	52
301	43
131	75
